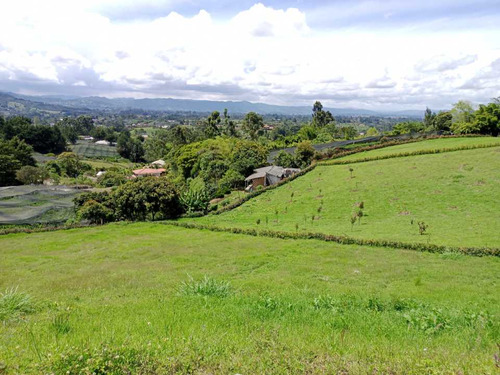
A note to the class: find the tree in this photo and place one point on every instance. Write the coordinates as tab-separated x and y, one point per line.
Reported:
231	180
429	117
442	122
371	132
71	165
252	124
488	119
247	156
13	155
308	133
304	154
347	132
211	125
31	175
8	167
95	212
148	196
462	111
130	148
284	159
321	118
229	126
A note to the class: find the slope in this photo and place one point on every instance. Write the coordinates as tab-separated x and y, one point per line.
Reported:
113	299
455	194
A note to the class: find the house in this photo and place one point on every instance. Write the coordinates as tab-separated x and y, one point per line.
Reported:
266	176
143	172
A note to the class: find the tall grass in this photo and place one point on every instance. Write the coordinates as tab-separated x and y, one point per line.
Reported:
207	286
14	303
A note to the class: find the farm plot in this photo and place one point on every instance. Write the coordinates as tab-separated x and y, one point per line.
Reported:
36	204
91	150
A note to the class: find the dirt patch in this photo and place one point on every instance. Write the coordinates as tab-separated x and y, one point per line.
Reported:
405	213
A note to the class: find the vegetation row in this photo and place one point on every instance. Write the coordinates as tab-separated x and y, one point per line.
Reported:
405	154
345	240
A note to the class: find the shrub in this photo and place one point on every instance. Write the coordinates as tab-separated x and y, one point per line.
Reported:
31	175
207	286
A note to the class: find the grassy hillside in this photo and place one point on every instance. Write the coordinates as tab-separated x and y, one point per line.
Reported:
455	194
120	296
430	144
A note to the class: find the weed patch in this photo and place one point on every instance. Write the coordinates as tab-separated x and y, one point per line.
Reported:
14	304
207	286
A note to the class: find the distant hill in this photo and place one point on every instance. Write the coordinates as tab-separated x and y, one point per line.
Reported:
185	105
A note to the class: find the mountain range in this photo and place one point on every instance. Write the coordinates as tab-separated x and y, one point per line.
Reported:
12	104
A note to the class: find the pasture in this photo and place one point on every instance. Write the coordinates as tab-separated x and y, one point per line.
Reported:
455	194
151	298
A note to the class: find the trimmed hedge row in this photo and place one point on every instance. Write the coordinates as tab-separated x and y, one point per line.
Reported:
344	240
405	154
42	229
395	142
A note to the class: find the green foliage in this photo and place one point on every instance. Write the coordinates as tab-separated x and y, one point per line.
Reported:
31	175
71	165
304	154
147	197
321	118
211	126
112	178
42	138
14	154
14	304
195	200
101	360
488	119
207	286
443	121
252	124
95	212
140	199
408	127
130	147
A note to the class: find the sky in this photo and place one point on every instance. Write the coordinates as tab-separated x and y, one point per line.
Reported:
381	55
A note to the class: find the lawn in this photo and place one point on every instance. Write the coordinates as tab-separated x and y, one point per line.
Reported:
430	144
455	194
119	298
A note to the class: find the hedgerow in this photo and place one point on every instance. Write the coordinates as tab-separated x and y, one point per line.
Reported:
344	240
406	154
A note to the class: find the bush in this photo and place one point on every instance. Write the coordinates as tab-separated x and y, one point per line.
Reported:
31	175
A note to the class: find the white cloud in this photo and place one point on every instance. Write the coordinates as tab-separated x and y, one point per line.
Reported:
260	54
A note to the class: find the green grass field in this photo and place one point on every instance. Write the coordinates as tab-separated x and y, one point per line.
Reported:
430	144
455	194
119	298
91	150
